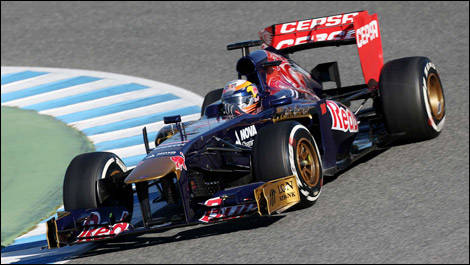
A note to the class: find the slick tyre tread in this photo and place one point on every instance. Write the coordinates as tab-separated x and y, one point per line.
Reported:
274	156
80	182
409	89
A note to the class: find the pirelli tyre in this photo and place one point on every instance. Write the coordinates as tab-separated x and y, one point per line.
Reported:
82	188
210	98
287	148
412	99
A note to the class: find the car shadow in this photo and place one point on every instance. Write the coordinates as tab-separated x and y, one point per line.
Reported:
135	242
329	179
364	159
248	223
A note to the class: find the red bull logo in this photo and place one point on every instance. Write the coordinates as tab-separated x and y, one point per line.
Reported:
179	161
102	232
342	118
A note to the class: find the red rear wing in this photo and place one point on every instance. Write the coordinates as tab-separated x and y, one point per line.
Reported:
343	29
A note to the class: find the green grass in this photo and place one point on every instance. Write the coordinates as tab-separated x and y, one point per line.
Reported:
35	152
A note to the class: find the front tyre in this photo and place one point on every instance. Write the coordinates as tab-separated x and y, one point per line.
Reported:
288	148
412	99
82	186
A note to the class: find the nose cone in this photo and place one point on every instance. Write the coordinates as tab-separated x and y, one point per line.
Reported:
151	169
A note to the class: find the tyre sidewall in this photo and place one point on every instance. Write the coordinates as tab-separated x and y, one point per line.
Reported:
112	164
433	124
81	179
307	193
274	156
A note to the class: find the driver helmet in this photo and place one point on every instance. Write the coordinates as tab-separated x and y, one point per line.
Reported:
241	93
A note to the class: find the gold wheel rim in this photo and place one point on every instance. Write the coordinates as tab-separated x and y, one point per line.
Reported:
435	96
308	162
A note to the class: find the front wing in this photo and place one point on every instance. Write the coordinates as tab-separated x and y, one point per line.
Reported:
88	225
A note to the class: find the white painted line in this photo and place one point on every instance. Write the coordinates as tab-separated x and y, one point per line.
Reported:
61	262
101	102
35	81
151	127
9	70
62	93
131	150
188	95
24	254
39	230
129	114
14	69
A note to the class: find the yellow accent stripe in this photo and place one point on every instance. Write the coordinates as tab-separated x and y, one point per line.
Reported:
242	85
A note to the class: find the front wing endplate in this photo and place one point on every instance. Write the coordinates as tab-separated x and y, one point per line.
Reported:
277	195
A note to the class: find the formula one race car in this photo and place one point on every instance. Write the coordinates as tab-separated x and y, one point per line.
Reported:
226	166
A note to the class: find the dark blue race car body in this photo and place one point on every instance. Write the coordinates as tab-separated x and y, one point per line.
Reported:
208	170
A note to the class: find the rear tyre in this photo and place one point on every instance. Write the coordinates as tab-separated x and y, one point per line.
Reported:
412	99
210	98
82	190
287	148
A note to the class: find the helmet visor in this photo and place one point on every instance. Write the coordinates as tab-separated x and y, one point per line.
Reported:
239	100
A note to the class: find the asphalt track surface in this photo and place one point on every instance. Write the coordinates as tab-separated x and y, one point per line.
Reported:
409	204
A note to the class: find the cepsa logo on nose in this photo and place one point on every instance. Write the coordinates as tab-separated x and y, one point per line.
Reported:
310	24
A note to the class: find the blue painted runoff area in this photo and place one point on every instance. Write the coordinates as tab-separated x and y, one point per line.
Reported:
100	93
133	160
31	244
118	107
134	122
124	142
35	90
14	77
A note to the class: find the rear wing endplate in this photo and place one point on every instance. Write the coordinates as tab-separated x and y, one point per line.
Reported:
343	29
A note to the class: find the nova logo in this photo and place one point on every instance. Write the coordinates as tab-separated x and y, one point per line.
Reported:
245	133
